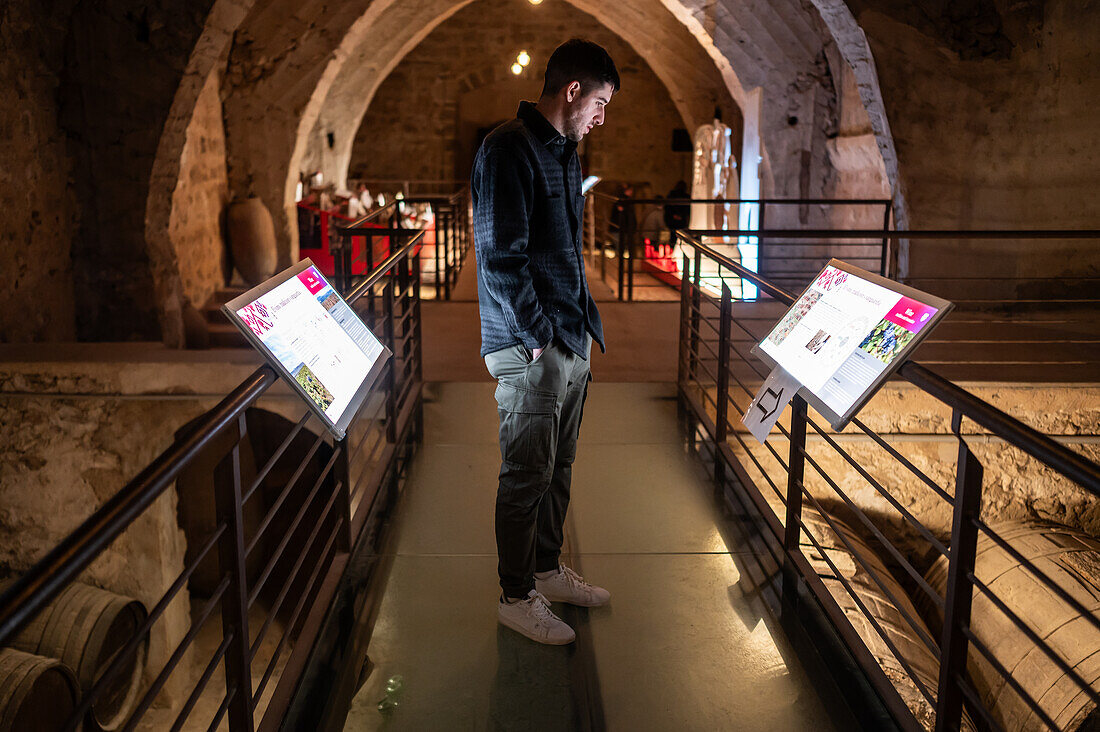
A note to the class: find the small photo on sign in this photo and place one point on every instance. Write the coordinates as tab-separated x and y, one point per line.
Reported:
313	386
793	316
817	342
886	341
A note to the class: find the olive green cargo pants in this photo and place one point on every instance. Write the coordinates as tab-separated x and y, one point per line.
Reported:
539	402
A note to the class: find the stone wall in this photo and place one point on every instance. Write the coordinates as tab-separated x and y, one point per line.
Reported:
990	104
123	64
77	423
40	213
1016	485
424	121
198	203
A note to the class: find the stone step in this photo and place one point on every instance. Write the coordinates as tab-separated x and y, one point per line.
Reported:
226	335
226	294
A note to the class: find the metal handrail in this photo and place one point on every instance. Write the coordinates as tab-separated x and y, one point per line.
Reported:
783	540
761	201
1067	462
368	217
907	234
384	266
32	591
40	584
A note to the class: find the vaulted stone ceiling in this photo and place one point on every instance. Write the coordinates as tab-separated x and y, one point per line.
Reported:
294	72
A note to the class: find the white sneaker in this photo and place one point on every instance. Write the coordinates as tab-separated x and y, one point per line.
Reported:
532	618
568	586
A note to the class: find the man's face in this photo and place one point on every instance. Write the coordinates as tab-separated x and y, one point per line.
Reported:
585	109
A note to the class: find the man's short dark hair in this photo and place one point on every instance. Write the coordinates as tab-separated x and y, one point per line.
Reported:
579	60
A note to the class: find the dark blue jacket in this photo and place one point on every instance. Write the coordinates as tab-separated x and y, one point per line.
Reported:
528	211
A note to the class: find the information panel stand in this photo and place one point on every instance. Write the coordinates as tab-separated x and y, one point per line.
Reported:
313	338
847	333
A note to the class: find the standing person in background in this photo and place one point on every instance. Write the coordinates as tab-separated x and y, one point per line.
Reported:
676	215
538	322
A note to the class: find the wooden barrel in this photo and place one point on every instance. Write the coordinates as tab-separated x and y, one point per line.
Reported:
924	664
36	693
85	627
1071	559
252	239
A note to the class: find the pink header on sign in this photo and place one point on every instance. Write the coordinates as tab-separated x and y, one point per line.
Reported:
312	281
910	314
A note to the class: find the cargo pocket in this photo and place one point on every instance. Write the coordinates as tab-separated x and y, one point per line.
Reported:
527	432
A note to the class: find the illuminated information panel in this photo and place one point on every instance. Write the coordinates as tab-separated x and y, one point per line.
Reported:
313	338
847	333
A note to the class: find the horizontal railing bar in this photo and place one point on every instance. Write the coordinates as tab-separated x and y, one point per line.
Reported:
1032	636
760	201
775	489
1059	278
258	585
699	365
971	695
925	638
906	462
1035	443
384	267
325	560
283	494
409	383
226	701
173	661
886	544
882	685
867	614
273	611
913	520
371	216
770	289
200	686
30	594
1008	676
1043	577
120	657
279	452
376	427
372	231
904	234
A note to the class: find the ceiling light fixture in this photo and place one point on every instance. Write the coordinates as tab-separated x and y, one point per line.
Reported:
524	58
517	69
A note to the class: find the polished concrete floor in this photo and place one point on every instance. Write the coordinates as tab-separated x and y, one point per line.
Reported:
681	645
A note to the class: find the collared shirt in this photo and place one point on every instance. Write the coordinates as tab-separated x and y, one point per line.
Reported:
528	209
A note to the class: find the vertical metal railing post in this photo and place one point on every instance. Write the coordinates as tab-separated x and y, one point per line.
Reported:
435	249
342	471
954	645
696	306
631	244
721	417
621	254
792	527
417	341
684	371
391	367
759	241
234	602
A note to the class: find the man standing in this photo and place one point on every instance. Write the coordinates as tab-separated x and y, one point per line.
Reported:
538	322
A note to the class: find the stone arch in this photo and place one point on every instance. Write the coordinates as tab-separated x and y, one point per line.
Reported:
290	87
224	18
677	60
